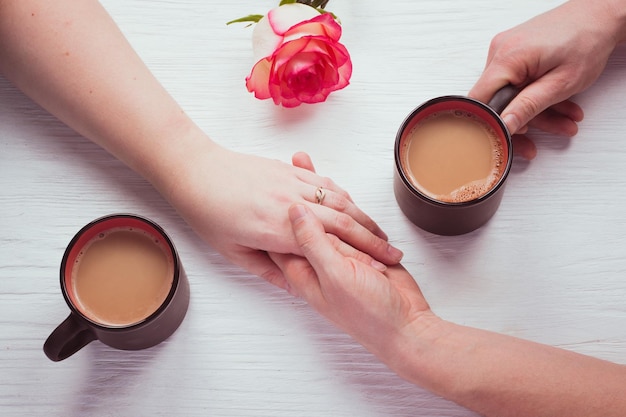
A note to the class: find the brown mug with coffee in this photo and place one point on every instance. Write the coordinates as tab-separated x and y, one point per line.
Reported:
452	157
124	284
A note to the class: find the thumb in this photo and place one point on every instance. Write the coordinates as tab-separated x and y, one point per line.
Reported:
531	101
311	237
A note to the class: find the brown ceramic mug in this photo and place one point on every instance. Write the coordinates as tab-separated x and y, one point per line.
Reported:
452	157
124	284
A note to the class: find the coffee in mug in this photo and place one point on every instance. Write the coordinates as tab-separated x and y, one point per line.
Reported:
452	157
121	276
124	284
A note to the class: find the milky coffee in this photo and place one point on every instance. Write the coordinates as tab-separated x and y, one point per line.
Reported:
453	156
122	276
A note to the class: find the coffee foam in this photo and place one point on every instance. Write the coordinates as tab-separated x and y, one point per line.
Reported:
471	190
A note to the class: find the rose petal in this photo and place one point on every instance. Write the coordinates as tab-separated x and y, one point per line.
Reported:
282	18
335	54
307	70
264	40
321	25
258	80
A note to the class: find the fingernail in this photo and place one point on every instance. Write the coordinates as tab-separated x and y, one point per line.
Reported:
395	253
512	122
378	265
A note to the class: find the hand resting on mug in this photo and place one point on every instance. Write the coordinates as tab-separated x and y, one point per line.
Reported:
495	375
89	77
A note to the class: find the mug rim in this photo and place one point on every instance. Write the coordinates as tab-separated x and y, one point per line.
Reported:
409	184
164	304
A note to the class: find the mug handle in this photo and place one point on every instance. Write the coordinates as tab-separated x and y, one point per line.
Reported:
68	338
503	97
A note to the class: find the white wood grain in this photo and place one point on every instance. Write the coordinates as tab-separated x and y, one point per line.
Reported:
549	267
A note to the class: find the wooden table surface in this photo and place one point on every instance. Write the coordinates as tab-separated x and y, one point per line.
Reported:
550	266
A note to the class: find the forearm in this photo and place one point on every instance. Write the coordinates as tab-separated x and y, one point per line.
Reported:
502	376
71	58
608	16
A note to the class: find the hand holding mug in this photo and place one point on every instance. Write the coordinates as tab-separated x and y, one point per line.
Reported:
551	58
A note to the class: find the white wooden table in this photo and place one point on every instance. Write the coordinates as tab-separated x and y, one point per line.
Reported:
550	266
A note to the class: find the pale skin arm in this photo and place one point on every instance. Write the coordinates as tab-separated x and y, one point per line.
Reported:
493	374
552	57
71	58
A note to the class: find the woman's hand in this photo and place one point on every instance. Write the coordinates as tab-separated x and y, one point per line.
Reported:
238	203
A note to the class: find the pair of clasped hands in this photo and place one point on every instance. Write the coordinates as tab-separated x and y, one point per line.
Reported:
315	242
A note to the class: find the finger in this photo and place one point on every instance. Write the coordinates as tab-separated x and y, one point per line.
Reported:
553	122
333	196
299	275
357	236
348	251
569	109
260	264
311	237
524	147
486	87
533	100
302	160
340	203
561	119
495	76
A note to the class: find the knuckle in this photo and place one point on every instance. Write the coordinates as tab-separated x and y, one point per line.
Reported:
307	240
379	246
497	41
340	203
334	240
273	277
326	182
529	107
344	222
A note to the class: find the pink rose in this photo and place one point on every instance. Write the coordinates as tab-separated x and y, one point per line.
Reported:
300	59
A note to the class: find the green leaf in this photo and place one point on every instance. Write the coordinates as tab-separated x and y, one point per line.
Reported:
316	4
254	18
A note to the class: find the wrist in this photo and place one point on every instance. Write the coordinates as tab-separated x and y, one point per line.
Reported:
411	349
172	162
610	15
617	10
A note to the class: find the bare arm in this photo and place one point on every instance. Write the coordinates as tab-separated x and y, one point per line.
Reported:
493	374
499	375
70	57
